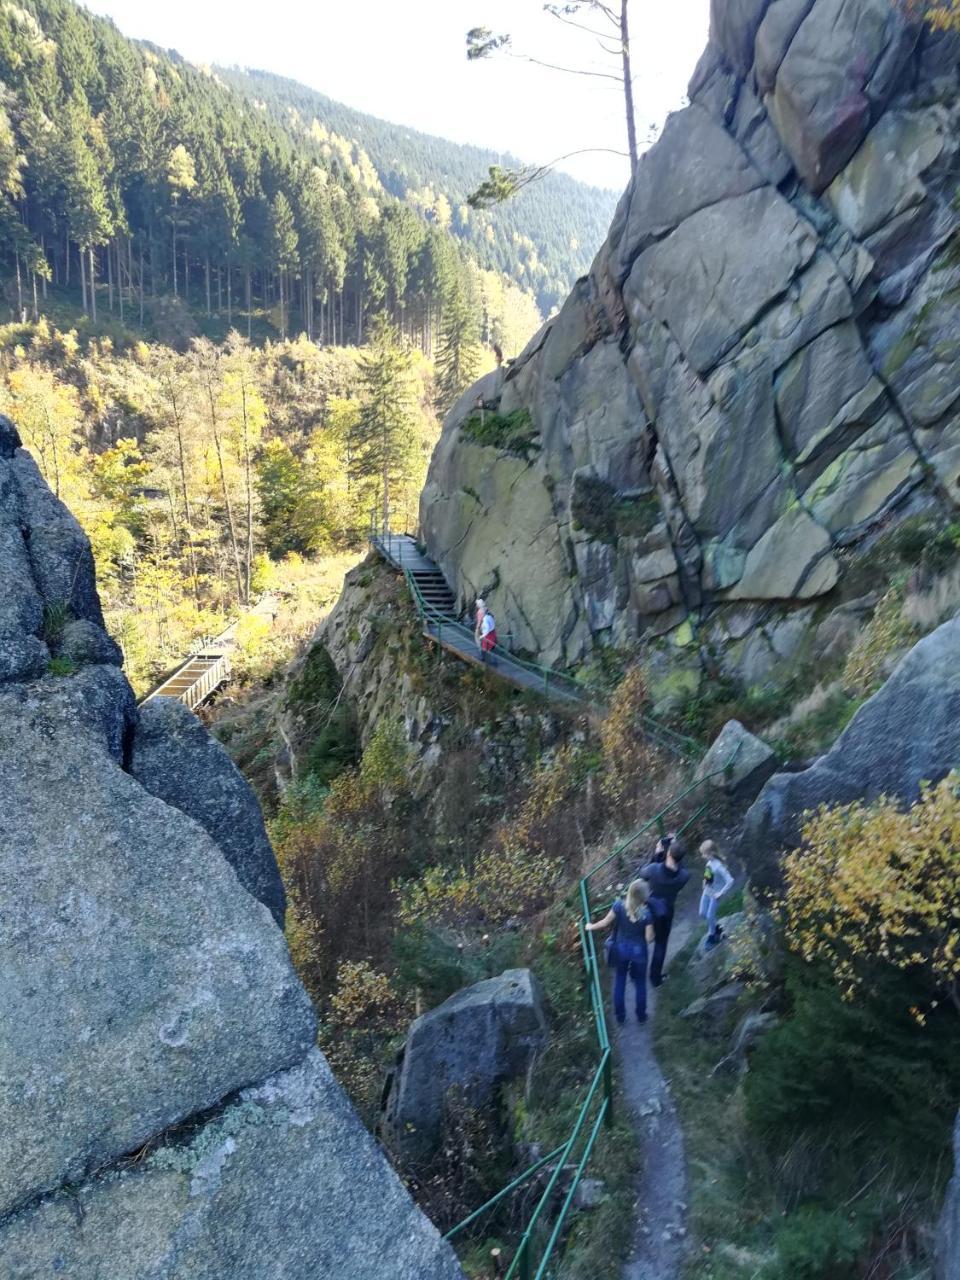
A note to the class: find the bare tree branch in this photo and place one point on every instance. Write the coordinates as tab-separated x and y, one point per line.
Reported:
573	71
561	17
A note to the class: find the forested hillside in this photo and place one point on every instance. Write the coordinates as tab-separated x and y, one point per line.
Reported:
544	239
195	474
144	184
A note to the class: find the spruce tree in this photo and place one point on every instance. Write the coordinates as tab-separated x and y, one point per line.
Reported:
458	353
384	444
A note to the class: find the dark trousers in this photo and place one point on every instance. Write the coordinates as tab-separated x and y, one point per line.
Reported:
661	936
630	959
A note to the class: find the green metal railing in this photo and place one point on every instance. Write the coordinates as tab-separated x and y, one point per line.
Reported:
599	1096
551	683
548	681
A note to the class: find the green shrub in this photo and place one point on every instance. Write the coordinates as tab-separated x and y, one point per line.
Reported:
818	1244
636	515
512	432
918	542
865	1065
599	509
315	696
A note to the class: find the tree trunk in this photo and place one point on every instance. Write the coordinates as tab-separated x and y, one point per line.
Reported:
231	524
248	475
19	290
219	290
83	284
66	259
628	88
174	257
249	307
93	286
36	309
43	279
206	268
229	295
120	280
141	280
186	276
187	516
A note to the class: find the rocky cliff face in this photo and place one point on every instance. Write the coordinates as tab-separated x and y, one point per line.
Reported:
163	1112
759	369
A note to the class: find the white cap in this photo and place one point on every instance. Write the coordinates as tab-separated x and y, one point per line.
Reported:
481	604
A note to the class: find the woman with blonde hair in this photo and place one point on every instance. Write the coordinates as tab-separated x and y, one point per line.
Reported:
633	930
717	880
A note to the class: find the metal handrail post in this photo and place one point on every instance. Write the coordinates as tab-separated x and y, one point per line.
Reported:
525	1259
608	1091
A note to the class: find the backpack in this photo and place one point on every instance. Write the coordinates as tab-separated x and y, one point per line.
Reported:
610	944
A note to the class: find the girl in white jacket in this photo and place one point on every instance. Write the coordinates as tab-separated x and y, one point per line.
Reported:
716	881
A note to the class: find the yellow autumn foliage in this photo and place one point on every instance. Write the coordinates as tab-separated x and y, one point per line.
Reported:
878	884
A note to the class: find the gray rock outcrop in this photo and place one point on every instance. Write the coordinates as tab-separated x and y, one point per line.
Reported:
164	1112
481	1037
758	370
739	761
170	750
284	1182
907	733
948	1231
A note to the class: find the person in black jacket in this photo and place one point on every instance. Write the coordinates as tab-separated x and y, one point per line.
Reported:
665	879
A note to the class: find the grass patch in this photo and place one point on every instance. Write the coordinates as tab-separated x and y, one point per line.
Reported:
62	667
511	432
808	732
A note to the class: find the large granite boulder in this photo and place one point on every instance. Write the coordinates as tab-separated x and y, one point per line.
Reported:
275	1187
760	369
907	733
948	1231
140	982
481	1037
170	752
148	998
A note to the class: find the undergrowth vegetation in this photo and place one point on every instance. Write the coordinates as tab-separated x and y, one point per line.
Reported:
824	1156
512	432
395	905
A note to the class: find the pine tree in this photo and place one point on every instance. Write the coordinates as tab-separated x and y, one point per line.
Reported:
384	445
284	249
458	354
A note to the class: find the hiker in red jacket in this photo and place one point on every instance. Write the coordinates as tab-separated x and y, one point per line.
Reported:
487	633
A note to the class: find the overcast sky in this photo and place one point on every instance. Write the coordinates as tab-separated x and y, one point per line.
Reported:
406	62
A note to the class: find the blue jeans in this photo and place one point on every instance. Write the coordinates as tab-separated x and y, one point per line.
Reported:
708	912
630	958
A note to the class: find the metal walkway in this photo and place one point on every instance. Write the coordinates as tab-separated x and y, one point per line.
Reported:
199	677
436	607
208	667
